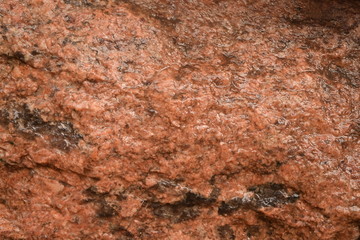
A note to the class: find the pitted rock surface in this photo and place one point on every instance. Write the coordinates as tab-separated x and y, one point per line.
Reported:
176	119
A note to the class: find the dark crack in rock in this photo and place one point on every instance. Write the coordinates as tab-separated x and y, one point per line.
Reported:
106	210
271	195
264	195
122	231
252	231
62	135
226	232
186	209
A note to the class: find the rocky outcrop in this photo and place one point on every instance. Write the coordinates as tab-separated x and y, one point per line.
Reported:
203	119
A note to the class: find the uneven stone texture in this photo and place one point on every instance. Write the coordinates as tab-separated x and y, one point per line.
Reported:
193	119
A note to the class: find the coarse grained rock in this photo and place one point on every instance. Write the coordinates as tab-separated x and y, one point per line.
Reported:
179	119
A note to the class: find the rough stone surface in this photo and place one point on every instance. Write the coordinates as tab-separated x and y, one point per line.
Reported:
193	119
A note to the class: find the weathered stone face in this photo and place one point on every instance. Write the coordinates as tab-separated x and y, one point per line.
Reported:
169	119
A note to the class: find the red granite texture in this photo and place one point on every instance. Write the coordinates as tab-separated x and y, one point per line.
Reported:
179	119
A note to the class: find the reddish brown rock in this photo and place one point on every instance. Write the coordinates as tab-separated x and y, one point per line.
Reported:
179	119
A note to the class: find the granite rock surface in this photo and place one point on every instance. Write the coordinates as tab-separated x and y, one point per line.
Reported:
171	119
